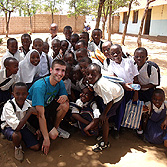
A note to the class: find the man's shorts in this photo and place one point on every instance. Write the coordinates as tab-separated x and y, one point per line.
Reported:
50	114
28	137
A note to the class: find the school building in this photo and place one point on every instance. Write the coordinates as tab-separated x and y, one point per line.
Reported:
155	22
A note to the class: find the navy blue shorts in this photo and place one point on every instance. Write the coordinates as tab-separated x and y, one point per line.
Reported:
28	137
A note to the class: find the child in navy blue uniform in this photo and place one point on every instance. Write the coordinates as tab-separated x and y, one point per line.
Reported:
14	120
87	114
156	130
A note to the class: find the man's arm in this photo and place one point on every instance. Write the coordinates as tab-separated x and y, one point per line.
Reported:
43	128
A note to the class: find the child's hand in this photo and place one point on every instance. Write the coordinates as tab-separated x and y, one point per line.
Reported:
102	119
145	108
87	132
164	125
38	133
127	87
33	110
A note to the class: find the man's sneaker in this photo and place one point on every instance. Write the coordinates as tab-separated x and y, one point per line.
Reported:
19	155
62	133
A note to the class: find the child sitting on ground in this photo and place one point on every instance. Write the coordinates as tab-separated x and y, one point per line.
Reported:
111	93
147	83
56	45
87	114
8	76
156	129
45	60
15	115
29	69
26	42
12	51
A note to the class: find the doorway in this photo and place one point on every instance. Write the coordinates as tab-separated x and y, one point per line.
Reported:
147	23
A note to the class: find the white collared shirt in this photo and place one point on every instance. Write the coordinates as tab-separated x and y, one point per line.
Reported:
108	90
44	64
14	78
11	118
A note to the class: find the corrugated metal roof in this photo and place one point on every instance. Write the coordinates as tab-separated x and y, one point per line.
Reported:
142	5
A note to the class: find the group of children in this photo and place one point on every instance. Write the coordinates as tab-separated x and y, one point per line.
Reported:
94	100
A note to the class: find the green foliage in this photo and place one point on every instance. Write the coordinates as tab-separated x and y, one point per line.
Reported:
81	7
51	5
29	7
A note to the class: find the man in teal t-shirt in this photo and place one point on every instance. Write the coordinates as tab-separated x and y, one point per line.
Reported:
49	96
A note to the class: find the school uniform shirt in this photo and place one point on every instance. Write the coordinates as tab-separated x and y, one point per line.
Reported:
58	57
93	47
17	56
14	78
28	71
93	105
143	77
67	83
125	70
50	39
44	64
108	90
12	118
106	63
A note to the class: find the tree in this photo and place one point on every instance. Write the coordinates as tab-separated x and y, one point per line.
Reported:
101	3
79	7
51	6
105	14
29	7
8	7
126	23
109	28
139	43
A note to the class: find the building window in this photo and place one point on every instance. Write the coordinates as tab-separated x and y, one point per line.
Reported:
124	17
135	16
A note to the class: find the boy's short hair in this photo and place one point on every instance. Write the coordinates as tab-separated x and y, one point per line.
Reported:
68	66
58	61
87	34
97	29
63	41
22	84
142	49
57	41
81	41
75	36
83	50
10	39
86	59
160	91
69	52
26	35
37	39
8	60
67	28
94	65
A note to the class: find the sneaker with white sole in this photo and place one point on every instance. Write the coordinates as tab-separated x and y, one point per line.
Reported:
19	155
62	133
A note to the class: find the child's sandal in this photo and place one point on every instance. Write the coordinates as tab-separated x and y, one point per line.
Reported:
100	146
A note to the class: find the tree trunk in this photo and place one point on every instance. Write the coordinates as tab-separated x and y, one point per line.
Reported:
109	23
30	24
7	22
126	24
101	2
52	18
104	21
139	43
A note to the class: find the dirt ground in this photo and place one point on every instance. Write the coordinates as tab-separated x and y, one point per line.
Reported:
127	151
